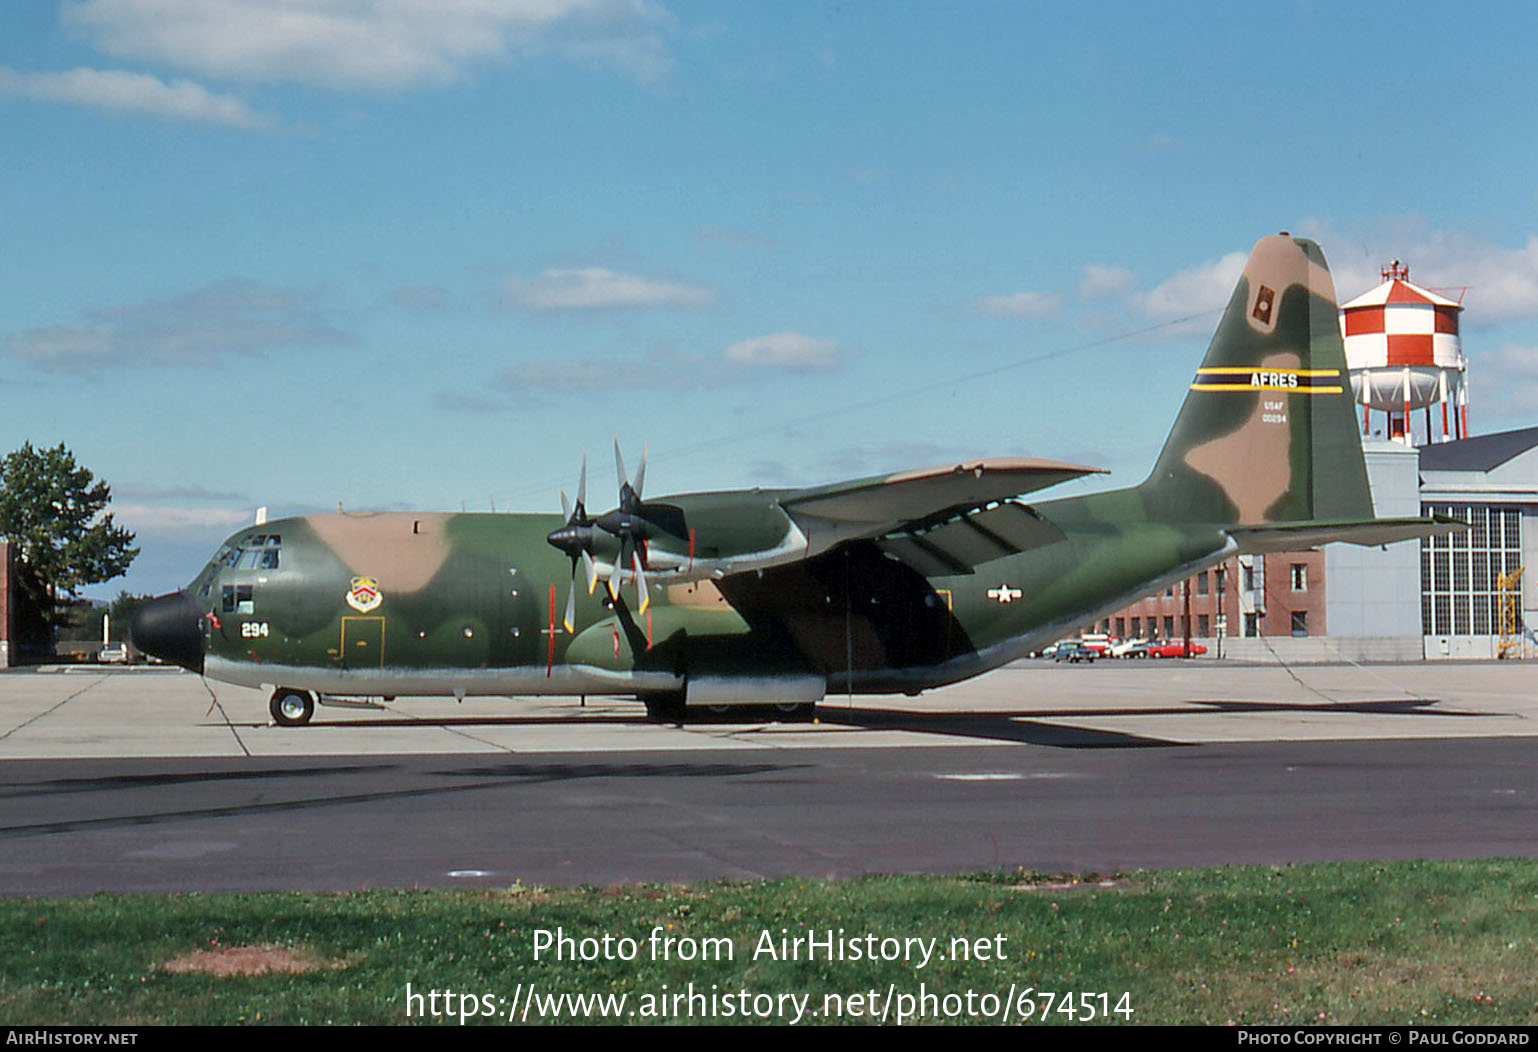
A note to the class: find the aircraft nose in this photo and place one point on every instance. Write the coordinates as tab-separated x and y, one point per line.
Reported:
168	627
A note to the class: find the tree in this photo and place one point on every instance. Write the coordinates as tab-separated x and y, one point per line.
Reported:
51	510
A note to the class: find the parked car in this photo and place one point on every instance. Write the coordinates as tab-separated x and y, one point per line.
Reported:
1174	649
1075	652
1130	648
113	654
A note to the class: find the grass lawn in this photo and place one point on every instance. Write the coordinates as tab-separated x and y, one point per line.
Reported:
1384	943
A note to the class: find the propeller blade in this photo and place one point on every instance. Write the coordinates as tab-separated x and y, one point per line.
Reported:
614	571
570	620
566	507
592	571
582	485
640	475
640	583
619	466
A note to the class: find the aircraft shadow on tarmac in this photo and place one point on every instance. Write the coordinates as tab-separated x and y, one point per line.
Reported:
1024	726
1027	727
484	777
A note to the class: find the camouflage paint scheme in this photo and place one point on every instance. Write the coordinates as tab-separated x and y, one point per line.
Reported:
894	583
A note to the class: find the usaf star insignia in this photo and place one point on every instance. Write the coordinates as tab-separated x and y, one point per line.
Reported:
1005	594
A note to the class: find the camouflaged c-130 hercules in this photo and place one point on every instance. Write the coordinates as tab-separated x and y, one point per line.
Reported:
893	583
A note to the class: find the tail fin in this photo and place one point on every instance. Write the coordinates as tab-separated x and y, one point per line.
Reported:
1268	432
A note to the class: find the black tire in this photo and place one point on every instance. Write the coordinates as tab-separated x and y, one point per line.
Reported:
290	707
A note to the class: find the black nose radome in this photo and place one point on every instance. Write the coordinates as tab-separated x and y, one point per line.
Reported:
168	627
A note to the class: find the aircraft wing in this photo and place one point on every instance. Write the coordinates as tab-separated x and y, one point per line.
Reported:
939	520
888	501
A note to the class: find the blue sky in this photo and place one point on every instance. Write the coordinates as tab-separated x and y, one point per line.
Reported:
415	254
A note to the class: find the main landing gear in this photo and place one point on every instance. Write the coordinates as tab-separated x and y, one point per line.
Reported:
670	708
291	707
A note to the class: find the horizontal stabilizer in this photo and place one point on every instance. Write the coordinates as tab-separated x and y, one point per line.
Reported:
1291	536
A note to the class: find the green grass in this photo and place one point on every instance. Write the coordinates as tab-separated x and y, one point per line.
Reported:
1422	942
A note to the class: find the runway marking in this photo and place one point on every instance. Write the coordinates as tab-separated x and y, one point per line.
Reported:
995	776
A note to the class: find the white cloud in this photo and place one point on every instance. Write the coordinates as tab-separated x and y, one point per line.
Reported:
1195	290
139	94
148	492
197	328
1020	305
1159	142
372	44
1502	282
1102	281
1497	283
157	518
793	351
594	288
738	363
593	375
1514	368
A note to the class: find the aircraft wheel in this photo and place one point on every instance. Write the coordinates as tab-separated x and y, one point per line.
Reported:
665	708
290	707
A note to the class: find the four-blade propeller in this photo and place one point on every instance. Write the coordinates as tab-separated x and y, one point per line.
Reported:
626	524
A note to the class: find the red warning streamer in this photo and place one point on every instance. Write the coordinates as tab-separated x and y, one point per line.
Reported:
550	657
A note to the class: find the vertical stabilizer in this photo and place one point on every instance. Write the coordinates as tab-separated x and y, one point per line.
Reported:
1267	433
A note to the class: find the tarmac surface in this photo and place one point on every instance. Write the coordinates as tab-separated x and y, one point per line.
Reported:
153	780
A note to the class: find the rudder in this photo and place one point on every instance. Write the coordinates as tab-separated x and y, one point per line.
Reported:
1267	433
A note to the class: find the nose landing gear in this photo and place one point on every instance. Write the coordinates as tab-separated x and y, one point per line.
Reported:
291	707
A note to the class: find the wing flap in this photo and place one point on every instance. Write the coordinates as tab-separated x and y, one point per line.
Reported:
960	544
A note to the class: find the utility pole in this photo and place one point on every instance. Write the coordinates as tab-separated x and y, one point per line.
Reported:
1186	617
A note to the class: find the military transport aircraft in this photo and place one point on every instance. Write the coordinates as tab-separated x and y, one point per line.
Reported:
896	583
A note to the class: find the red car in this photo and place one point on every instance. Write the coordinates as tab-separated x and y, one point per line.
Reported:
1175	649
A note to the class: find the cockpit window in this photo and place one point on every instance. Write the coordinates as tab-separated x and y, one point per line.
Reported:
258	552
237	599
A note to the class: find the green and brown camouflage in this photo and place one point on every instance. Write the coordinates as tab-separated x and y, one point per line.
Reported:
893	583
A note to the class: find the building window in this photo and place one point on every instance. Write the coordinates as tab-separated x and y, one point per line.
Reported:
1300	622
1251	625
1249	578
1203	625
1299	578
1461	572
1169	627
1221	579
1121	626
1137	626
1201	583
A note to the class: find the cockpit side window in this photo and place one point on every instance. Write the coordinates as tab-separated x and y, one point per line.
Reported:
237	599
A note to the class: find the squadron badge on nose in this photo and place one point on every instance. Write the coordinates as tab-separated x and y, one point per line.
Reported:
364	594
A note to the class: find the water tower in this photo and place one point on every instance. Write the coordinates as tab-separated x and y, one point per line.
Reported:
1403	351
